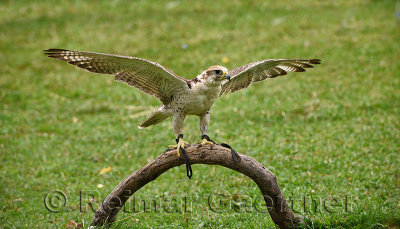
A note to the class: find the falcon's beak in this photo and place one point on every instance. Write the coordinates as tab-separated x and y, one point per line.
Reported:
227	76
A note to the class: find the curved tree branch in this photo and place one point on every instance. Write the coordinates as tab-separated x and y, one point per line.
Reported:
278	208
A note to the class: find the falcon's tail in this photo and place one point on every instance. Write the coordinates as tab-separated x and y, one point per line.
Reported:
160	115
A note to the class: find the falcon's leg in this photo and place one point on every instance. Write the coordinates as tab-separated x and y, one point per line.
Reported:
204	121
177	122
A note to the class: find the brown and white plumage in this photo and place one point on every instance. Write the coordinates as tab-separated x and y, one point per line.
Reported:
180	97
149	77
243	76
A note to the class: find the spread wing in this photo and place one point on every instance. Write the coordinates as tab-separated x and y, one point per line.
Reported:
243	76
147	76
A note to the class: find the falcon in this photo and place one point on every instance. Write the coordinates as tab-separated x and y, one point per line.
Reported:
180	97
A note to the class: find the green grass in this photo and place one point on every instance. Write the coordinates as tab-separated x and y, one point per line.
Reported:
332	132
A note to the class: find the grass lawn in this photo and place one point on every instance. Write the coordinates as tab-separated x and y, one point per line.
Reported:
331	135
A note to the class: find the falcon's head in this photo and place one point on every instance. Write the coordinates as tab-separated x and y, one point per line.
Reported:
216	74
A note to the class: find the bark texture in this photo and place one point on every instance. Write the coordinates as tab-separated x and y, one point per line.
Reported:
278	208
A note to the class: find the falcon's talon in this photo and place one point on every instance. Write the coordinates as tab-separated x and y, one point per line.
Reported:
176	145
206	142
181	144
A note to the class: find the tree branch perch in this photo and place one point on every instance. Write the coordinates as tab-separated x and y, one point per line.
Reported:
278	208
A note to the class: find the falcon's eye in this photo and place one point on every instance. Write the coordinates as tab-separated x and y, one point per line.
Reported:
217	72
